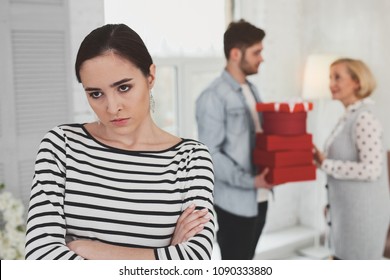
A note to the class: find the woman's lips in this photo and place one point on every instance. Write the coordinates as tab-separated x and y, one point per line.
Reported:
120	121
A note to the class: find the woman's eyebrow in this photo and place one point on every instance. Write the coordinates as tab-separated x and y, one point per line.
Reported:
91	89
120	82
112	85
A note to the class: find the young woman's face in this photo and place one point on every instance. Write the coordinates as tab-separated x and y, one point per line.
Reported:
117	91
341	84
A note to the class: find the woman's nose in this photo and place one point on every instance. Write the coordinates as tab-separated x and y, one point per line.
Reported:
113	105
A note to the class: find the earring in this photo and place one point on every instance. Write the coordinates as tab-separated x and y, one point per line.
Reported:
152	103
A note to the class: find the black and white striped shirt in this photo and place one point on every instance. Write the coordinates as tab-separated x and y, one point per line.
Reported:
83	189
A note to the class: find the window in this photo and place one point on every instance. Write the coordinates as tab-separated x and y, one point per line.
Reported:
164	95
173	27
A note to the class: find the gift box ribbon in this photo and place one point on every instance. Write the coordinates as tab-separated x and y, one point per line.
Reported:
290	107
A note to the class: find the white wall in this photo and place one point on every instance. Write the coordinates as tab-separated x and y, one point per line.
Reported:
359	29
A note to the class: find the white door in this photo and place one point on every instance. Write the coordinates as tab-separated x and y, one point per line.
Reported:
35	83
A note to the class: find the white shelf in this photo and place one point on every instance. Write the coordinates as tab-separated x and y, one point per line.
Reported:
284	243
315	253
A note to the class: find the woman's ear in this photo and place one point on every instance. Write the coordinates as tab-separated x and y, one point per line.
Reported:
357	89
152	75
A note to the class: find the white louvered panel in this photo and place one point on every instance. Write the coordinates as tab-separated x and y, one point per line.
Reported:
26	173
39	80
46	2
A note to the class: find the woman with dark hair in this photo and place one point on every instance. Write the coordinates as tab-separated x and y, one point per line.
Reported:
121	187
355	164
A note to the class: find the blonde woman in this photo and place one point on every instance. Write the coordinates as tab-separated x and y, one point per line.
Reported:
356	167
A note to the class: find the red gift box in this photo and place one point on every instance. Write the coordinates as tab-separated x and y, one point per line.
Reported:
283	123
291	174
279	143
288	107
282	159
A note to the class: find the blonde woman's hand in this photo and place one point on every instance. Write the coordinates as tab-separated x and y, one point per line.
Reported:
190	223
318	156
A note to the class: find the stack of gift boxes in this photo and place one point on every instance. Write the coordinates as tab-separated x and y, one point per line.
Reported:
284	146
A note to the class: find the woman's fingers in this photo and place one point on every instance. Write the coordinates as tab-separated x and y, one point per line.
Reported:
192	232
190	222
186	213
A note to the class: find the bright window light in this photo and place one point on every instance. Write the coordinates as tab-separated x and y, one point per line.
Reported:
173	27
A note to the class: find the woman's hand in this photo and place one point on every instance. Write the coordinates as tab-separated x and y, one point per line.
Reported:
190	223
78	245
318	156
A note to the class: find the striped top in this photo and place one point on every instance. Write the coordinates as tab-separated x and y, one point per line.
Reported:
83	189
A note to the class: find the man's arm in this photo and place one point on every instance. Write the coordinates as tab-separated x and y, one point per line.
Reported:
211	117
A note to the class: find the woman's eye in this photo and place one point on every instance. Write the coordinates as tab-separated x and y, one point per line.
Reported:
95	94
124	88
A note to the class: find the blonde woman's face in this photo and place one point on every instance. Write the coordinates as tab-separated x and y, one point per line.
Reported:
341	84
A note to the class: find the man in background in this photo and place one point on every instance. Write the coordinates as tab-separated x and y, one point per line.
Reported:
227	123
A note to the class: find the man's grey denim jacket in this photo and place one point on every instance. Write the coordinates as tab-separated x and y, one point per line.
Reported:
225	126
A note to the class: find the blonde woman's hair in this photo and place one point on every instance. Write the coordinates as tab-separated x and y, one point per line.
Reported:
360	73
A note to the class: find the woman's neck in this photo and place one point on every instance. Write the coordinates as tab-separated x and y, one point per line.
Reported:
350	101
148	137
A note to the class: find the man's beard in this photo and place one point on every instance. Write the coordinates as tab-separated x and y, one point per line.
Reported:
247	68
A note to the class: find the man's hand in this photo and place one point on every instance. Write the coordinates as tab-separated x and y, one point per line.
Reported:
261	182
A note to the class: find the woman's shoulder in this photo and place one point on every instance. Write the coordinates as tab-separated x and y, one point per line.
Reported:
188	143
364	105
365	117
191	147
64	130
67	127
366	108
194	154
